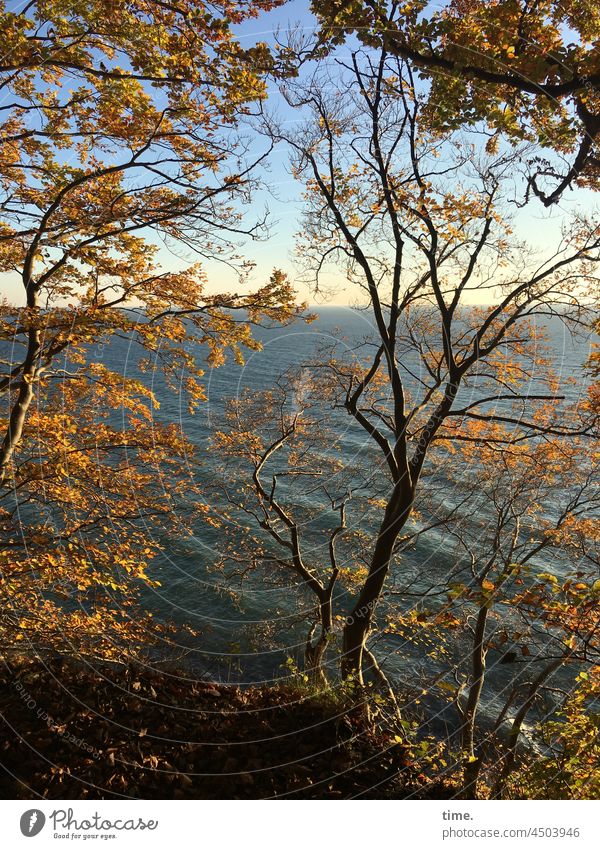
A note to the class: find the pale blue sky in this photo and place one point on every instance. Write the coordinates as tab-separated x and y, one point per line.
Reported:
538	225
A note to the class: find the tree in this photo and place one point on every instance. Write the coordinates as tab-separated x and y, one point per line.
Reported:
120	141
524	592
281	478
519	70
97	487
423	228
119	129
569	768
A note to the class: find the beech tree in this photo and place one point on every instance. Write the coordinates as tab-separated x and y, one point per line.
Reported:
518	70
522	597
569	767
422	227
96	487
291	512
274	452
122	171
120	123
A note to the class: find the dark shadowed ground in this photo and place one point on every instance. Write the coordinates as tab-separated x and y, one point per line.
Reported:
73	731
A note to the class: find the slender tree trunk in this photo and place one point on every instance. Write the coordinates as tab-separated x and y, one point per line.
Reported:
515	731
314	652
20	408
382	680
358	622
472	764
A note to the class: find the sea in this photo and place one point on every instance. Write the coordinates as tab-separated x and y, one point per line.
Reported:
250	633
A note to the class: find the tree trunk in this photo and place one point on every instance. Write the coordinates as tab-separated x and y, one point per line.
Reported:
513	738
314	652
18	413
472	764
358	622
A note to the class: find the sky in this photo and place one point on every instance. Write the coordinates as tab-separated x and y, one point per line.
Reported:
284	198
283	202
538	225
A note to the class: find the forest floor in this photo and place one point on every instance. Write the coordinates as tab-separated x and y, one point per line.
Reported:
72	730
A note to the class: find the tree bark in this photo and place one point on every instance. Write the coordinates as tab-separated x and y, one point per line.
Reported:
20	408
358	622
314	652
472	764
515	731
